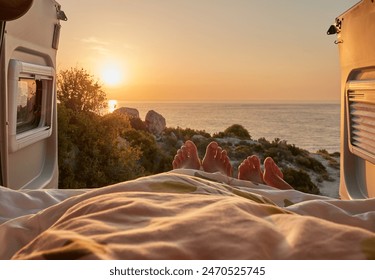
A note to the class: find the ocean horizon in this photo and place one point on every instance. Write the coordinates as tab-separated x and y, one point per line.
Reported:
311	126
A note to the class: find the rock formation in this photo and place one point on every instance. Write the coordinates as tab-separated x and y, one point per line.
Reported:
155	122
130	112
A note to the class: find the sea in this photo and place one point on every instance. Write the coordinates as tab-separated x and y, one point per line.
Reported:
311	126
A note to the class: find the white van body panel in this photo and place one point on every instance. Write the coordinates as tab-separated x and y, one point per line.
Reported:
356	41
28	101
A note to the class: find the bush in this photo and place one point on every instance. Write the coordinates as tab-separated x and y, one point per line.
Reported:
332	162
258	148
264	143
297	151
300	180
90	153
278	154
186	133
152	158
78	91
311	163
242	151
335	154
235	130
202	145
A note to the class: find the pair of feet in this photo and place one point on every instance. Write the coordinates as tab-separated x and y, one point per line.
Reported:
217	160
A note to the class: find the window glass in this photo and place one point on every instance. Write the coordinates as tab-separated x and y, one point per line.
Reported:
29	104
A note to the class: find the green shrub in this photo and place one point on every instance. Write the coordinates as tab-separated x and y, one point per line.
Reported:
278	154
264	143
297	151
335	154
90	154
258	148
235	130
242	151
185	133
300	180
202	145
151	156
322	152
311	163
332	162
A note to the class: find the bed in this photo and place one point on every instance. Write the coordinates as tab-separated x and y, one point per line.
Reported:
184	214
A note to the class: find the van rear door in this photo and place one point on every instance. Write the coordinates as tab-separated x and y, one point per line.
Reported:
355	31
28	98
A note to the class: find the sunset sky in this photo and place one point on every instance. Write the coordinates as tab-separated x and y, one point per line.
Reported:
205	50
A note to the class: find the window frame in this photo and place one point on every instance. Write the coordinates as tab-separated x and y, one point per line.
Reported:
23	70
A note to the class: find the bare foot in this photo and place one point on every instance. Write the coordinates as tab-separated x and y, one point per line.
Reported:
216	160
273	175
250	170
187	157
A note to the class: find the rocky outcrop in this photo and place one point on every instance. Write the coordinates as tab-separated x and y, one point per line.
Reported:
130	112
155	123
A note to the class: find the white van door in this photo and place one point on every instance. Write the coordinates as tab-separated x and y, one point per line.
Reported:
28	98
355	37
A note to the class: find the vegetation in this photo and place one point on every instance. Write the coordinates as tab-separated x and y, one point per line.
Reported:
331	158
153	160
78	91
90	152
300	180
97	150
235	130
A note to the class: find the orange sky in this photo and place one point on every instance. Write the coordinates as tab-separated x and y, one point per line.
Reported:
205	50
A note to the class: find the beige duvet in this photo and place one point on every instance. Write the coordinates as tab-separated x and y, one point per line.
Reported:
184	214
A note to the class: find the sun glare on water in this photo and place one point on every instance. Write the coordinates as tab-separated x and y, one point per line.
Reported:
112	105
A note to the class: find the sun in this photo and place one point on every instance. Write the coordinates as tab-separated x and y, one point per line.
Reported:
112	75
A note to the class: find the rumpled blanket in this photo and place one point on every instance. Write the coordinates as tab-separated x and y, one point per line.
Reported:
184	214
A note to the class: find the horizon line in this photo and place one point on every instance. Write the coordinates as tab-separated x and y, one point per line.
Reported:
232	101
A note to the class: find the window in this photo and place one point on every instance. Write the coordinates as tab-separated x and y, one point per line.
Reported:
360	101
29	104
31	95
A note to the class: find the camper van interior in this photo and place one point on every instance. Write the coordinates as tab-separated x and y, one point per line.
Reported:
185	213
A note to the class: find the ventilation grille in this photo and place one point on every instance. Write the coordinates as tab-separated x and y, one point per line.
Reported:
361	107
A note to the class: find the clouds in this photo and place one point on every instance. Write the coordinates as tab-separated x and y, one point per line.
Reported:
106	48
239	48
99	46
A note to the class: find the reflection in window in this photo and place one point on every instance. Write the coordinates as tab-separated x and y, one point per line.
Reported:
29	104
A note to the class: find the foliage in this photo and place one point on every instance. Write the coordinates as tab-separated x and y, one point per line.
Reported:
242	151
91	154
235	130
278	154
77	90
152	158
97	150
300	180
297	151
186	133
332	162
